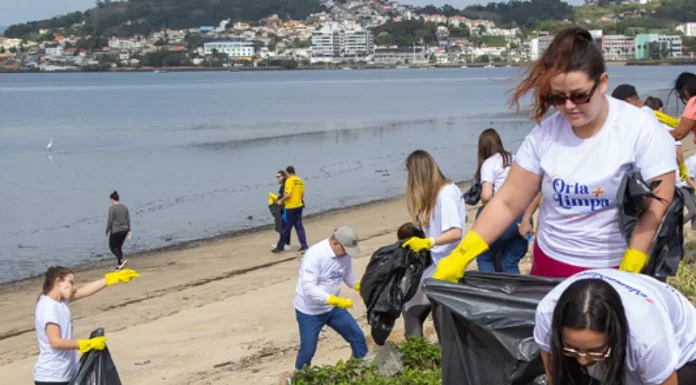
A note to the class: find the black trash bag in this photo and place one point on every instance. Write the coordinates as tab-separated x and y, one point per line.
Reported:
486	328
277	213
391	279
472	195
667	249
96	367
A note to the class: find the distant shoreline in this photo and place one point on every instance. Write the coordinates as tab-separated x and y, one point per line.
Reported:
618	63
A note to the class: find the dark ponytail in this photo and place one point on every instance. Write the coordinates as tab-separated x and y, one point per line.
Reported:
595	305
114	196
53	273
573	49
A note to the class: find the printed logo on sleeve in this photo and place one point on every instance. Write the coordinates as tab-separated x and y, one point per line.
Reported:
336	275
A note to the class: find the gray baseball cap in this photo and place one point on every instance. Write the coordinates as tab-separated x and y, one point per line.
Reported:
348	238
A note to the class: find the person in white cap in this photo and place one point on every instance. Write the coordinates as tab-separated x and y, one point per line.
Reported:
317	303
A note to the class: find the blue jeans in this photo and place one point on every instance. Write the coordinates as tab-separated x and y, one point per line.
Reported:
294	219
505	253
339	320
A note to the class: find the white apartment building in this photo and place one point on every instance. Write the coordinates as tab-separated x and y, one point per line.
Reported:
688	29
342	42
56	51
618	47
673	42
538	45
233	49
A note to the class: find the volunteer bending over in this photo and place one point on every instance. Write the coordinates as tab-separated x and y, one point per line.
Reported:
317	303
57	363
577	157
618	328
685	87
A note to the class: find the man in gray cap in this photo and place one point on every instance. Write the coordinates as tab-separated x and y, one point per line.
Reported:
317	303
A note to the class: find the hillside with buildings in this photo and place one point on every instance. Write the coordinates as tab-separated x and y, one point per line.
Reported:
335	32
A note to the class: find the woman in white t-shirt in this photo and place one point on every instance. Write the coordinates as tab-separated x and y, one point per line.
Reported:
435	203
577	158
618	328
493	166
57	362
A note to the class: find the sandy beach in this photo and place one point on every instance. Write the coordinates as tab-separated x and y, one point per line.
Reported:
217	313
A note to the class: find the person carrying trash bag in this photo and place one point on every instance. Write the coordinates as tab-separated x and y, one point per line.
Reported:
96	366
57	362
577	158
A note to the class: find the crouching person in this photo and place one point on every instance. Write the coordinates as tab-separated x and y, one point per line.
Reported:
317	303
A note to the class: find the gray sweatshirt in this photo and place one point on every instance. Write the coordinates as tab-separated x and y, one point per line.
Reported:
119	219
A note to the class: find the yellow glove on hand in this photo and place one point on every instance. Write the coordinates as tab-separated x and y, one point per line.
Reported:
666	119
123	276
683	171
418	244
357	286
633	261
96	343
452	267
343	303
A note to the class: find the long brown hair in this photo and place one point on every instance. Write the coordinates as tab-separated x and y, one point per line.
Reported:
425	180
490	144
571	50
53	273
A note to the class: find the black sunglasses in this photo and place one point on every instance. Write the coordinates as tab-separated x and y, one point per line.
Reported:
577	99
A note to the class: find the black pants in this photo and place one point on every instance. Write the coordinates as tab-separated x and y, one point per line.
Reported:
116	244
50	383
687	374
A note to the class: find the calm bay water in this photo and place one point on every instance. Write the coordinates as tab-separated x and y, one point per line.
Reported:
194	155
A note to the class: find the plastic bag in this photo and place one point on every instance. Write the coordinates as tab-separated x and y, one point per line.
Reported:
390	280
386	359
667	249
472	195
486	328
96	367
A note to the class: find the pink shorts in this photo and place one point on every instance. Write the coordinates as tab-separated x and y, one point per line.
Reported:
544	266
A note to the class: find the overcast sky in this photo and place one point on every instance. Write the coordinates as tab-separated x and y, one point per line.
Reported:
18	11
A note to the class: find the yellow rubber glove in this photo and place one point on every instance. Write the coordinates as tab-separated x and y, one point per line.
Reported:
96	343
272	198
343	303
633	261
357	286
683	171
418	244
123	276
452	267
666	119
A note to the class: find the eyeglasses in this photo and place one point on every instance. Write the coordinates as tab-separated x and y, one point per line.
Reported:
279	176
577	99
594	356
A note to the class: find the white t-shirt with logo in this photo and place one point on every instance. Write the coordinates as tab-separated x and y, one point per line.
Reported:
578	221
661	325
449	212
321	274
493	171
53	365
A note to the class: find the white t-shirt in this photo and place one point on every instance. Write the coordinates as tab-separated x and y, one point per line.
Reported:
53	365
321	274
578	222
493	171
449	212
661	325
690	164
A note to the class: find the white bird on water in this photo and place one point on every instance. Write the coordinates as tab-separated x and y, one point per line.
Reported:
50	145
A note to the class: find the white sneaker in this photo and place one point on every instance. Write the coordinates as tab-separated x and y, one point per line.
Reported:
121	265
287	247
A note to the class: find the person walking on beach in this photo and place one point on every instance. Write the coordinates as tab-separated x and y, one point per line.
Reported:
279	210
118	228
317	303
577	158
293	199
436	205
57	362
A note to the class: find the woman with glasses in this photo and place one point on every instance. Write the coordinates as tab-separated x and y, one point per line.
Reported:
577	158
281	177
685	87
618	328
